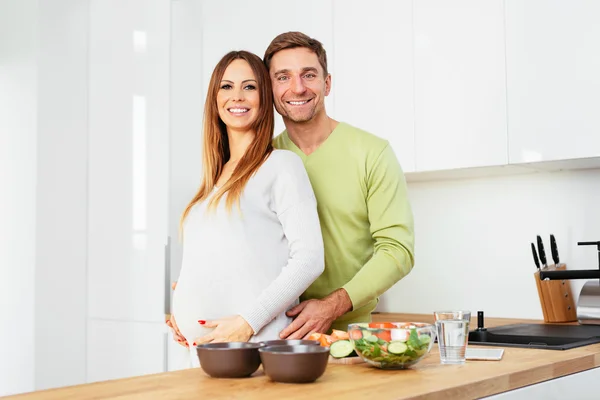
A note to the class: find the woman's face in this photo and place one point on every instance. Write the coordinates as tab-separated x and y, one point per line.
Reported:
238	97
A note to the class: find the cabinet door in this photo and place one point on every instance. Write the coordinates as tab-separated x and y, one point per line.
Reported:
128	159
373	44
246	25
553	61
118	349
460	91
185	117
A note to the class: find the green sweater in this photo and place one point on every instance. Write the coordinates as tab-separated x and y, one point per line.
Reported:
365	216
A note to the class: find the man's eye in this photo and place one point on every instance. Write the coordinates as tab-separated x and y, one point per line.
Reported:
309	76
282	78
250	87
226	86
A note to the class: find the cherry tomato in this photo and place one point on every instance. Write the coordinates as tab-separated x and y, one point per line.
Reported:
383	335
380	325
356	334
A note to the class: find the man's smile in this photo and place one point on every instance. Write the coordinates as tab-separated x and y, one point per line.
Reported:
298	102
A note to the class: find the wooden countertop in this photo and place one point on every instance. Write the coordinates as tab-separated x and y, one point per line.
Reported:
426	380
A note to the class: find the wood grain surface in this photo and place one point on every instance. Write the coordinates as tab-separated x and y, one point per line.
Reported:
426	380
345	360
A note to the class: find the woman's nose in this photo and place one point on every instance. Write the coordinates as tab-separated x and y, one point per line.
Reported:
238	95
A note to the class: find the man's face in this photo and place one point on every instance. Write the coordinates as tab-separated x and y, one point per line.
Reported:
299	85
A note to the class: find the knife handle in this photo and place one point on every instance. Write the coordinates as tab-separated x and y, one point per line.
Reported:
554	250
541	250
535	257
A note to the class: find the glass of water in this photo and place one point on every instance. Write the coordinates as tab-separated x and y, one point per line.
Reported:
453	335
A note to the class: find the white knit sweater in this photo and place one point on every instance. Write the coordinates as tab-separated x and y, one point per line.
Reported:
256	264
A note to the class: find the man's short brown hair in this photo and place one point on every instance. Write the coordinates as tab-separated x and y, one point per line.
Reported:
291	40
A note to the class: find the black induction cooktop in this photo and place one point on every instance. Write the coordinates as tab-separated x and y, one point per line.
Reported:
537	336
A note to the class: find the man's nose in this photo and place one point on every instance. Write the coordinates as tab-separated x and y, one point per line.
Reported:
297	85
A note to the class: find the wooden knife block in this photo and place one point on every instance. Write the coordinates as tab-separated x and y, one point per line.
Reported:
556	297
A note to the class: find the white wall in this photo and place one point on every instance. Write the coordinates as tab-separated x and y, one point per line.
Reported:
473	240
18	122
60	277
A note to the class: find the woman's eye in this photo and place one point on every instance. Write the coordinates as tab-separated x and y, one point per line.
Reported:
226	86
250	87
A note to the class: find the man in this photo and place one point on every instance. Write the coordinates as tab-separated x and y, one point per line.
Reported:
366	219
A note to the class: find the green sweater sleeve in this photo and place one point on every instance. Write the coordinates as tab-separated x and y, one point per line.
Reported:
392	229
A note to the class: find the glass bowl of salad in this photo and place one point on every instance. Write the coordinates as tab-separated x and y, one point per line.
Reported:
392	345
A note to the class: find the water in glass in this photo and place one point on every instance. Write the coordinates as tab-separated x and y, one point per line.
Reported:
452	339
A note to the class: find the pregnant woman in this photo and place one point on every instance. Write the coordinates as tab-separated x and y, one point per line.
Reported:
251	236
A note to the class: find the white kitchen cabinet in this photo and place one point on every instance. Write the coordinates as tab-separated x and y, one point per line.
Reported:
580	386
553	80
246	25
460	92
140	176
185	117
373	50
128	168
120	349
19	54
61	153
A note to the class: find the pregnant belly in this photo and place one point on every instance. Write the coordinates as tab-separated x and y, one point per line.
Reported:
187	311
189	306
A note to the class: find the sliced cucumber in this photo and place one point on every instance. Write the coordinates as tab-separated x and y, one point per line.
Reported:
366	334
397	347
372	338
341	349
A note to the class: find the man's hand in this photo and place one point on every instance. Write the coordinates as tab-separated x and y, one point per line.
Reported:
230	329
316	315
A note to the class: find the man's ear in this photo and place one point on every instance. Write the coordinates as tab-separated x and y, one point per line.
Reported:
327	84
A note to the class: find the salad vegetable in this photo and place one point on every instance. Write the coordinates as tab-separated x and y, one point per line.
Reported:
341	349
338	342
390	351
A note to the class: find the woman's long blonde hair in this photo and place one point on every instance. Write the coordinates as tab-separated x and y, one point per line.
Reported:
216	144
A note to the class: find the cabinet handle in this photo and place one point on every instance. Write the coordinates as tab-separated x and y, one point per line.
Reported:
166	352
168	276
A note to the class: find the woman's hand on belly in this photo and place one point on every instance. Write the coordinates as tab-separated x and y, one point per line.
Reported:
176	334
229	329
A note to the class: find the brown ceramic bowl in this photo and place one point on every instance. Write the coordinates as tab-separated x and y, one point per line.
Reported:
294	364
289	342
229	360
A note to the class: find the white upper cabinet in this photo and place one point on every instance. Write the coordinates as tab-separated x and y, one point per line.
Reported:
373	81
247	25
128	159
460	91
553	64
